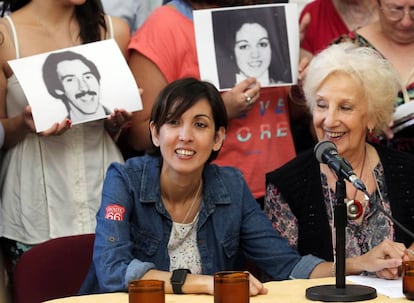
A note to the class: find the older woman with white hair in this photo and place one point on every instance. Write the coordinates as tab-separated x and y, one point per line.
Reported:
350	92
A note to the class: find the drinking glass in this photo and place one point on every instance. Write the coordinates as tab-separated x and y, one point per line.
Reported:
231	287
146	291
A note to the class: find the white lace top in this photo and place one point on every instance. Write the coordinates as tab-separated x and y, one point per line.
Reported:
182	247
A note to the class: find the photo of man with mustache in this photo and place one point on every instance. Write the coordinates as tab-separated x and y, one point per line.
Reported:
75	80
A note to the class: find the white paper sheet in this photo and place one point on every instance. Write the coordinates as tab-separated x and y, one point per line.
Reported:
389	288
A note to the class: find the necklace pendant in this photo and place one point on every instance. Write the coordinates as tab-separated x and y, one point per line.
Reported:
354	209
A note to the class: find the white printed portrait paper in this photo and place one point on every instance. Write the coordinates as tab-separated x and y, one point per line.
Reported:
260	41
82	83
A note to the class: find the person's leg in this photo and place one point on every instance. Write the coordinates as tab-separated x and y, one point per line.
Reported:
12	251
4	289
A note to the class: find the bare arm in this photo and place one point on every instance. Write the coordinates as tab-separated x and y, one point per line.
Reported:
120	118
152	81
121	34
15	128
200	284
194	284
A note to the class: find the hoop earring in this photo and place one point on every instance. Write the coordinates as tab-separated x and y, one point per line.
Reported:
354	209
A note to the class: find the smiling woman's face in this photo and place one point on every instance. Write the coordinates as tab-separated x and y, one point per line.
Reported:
341	113
252	50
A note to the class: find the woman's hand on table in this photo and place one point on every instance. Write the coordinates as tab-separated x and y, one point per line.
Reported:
256	287
384	259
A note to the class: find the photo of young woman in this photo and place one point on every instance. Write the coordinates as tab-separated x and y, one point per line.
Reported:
251	42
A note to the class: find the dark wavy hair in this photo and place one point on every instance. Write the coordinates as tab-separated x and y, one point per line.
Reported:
178	96
90	16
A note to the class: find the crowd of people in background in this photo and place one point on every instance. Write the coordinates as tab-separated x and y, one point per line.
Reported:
64	180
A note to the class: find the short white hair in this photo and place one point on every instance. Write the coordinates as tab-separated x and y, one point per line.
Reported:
366	66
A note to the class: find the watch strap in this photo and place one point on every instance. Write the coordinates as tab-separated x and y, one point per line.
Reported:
178	278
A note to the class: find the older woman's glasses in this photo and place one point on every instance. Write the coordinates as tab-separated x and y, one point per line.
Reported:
397	13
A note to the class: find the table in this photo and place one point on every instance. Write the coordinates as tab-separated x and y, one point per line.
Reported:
290	291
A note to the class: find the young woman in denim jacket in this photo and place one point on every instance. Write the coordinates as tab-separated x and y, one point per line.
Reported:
173	210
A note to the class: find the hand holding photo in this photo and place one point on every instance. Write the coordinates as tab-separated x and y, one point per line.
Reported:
249	41
78	83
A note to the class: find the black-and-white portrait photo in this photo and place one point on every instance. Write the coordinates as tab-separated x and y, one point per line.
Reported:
80	83
75	80
250	41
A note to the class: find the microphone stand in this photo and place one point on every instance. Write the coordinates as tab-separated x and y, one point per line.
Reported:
340	292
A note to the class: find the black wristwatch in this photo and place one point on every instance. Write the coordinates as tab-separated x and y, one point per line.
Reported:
178	278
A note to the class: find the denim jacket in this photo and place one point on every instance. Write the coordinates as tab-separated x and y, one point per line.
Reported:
133	228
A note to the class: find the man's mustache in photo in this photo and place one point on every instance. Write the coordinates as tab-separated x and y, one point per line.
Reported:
85	93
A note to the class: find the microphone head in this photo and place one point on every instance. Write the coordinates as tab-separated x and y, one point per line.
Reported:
322	147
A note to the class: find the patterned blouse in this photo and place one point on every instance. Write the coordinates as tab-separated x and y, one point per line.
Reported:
360	238
182	246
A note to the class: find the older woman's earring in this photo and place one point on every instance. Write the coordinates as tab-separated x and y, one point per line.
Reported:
370	131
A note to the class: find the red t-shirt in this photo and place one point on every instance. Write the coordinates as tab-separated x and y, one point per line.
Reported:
325	25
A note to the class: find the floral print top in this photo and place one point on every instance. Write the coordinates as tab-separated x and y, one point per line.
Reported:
360	238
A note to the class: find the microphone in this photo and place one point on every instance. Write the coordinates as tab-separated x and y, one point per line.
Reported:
326	152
